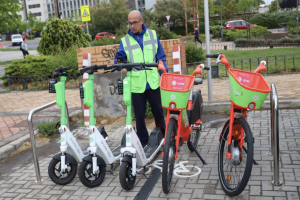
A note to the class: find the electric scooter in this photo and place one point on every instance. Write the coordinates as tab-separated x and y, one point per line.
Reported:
133	155
63	166
93	166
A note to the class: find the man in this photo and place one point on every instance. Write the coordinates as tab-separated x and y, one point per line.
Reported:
197	35
142	45
23	47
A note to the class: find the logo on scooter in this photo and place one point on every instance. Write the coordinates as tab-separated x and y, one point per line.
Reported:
127	140
62	139
91	139
173	82
173	96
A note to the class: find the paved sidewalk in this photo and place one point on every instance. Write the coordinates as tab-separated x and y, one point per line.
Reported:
19	183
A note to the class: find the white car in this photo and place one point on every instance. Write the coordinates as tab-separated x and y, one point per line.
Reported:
16	39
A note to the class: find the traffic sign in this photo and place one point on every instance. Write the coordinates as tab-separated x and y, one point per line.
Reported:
85	13
168	17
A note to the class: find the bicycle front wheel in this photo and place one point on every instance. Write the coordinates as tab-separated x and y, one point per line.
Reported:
169	156
234	173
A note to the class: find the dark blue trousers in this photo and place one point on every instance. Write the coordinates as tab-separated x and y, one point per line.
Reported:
139	101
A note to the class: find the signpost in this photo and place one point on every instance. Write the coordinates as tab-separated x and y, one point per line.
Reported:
85	16
168	18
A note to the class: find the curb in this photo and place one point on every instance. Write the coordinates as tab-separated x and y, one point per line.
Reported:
10	147
222	105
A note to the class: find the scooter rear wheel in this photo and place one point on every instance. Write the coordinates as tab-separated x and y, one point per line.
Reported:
87	177
58	177
169	156
126	179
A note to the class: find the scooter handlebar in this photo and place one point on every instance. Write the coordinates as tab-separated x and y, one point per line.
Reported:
213	55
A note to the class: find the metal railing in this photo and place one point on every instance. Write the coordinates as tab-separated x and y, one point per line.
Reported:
275	64
39	82
275	134
248	46
32	139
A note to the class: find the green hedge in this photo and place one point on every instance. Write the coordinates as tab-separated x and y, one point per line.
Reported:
42	65
243	42
30	37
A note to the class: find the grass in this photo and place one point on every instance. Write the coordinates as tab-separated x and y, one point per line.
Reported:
5	62
234	54
17	49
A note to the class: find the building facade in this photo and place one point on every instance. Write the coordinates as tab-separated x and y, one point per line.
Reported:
43	9
144	4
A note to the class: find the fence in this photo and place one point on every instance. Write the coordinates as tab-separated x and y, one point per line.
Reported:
254	45
39	82
275	64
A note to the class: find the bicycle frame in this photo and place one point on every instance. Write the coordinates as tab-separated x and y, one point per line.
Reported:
183	127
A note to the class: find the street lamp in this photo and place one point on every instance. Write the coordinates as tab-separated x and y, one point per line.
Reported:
297	16
221	22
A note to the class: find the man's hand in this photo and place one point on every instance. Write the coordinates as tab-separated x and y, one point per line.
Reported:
161	66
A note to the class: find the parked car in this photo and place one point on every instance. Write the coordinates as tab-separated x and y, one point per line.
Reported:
101	35
16	39
25	35
238	24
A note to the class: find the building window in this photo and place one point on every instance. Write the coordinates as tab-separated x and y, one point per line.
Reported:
49	7
52	6
82	3
65	14
63	5
59	5
38	14
34	6
71	5
67	5
72	13
86	3
79	12
78	3
68	14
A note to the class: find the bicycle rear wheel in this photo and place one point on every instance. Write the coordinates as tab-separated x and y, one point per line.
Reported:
169	156
234	173
193	138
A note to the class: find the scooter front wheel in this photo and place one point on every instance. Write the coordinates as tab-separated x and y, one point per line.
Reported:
126	178
169	156
87	177
59	177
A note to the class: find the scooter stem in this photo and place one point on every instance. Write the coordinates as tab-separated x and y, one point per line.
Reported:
63	119
92	120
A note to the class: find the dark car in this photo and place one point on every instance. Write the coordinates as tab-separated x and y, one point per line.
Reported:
101	35
238	24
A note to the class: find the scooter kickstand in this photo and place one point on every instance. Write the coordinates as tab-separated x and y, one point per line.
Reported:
145	172
111	169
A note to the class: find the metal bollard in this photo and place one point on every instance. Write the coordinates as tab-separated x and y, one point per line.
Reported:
275	134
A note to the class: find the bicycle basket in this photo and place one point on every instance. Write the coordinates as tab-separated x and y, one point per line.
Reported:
175	88
247	89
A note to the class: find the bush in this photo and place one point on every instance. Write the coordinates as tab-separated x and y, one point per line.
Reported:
193	53
42	65
47	129
106	41
215	31
62	34
291	24
272	20
259	31
30	37
231	35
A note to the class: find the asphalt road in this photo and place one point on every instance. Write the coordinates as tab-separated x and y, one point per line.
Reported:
31	44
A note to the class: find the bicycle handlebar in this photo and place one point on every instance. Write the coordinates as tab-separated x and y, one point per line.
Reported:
131	65
213	55
93	68
61	69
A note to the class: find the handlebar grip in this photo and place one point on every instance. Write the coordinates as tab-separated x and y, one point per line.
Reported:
82	70
65	68
151	65
206	68
101	66
212	55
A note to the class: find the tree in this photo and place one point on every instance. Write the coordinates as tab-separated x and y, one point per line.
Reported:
288	4
161	8
31	19
228	9
201	9
273	7
8	13
108	16
62	35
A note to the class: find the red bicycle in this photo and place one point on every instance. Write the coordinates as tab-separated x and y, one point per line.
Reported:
248	91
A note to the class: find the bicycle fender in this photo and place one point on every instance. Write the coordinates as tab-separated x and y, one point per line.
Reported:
69	158
225	125
127	159
100	160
